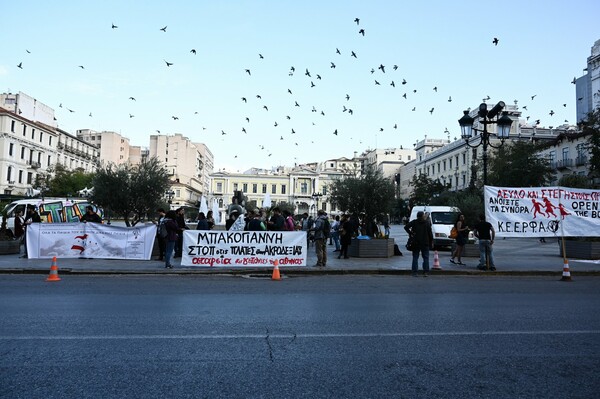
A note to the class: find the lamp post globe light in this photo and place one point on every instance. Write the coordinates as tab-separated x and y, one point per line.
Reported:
486	118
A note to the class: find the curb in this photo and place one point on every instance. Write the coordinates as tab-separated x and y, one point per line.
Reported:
297	272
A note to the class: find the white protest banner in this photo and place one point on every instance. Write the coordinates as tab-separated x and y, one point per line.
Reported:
543	211
89	240
243	248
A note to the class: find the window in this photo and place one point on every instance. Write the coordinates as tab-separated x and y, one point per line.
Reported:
254	188
283	189
24	129
273	189
565	153
40	158
49	160
552	158
12	126
10	149
264	188
20	176
9	173
450	163
444	164
235	187
304	188
22	152
409	157
464	159
29	177
219	187
245	187
41	136
50	141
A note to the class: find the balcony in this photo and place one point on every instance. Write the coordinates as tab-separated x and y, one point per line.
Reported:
34	164
564	163
581	160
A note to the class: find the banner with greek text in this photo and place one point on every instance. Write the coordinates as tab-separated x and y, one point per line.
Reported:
243	248
543	211
89	240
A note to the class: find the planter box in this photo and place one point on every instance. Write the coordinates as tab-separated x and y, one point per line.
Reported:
10	247
580	249
376	248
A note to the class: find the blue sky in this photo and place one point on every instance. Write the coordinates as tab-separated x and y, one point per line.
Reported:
435	44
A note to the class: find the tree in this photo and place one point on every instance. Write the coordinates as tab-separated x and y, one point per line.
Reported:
131	191
517	164
425	189
591	126
60	182
575	181
370	194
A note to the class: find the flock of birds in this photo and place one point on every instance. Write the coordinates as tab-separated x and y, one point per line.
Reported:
380	74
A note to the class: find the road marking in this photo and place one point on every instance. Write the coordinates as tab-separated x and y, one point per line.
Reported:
297	336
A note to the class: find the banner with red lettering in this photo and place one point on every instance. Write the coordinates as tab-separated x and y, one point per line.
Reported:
219	248
543	211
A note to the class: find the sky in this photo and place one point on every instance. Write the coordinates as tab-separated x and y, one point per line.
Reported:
239	95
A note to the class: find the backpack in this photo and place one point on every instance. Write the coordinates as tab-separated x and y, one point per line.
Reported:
162	230
326	228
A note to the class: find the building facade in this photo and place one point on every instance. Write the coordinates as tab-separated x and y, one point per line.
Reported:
587	87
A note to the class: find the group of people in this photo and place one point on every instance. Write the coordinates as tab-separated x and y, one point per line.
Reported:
171	225
421	234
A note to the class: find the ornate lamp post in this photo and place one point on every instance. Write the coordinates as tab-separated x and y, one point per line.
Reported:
485	118
316	196
170	194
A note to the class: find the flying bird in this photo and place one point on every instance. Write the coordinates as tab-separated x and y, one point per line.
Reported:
403	81
431	111
261	56
90	114
312	84
551	112
574	80
495	41
258	96
395	126
20	65
168	63
319	77
265	107
377	83
276	124
175	118
353	54
70	110
289	91
114	26
247	119
332	65
337	50
248	72
532	97
435	89
244	130
223	133
193	51
372	71
132	98
404	95
131	116
164	29
362	32
450	99
28	52
296	104
347	97
393	84
307	73
382	67
244	99
81	66
395	67
335	132
357	20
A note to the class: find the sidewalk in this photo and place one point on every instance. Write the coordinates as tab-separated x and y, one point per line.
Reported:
512	256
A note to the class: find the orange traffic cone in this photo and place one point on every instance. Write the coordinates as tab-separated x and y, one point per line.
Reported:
53	276
436	261
566	276
276	275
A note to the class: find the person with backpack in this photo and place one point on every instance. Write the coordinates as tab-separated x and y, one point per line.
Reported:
321	229
172	229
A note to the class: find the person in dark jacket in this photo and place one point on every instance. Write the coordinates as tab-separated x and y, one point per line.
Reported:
90	216
180	220
202	222
420	231
172	236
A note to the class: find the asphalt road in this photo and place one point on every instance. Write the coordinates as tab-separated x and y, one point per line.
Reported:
309	337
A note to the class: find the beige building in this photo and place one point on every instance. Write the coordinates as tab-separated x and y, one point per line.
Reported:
113	147
186	164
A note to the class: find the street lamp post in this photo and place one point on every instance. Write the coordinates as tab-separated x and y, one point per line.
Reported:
170	194
486	118
316	197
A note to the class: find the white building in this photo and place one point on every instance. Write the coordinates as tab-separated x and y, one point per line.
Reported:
587	87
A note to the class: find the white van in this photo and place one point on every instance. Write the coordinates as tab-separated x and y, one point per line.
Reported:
51	210
442	220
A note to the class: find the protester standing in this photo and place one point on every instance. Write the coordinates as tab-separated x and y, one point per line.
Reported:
172	237
32	217
90	216
202	222
346	232
320	238
462	231
420	231
180	220
486	234
161	240
335	232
